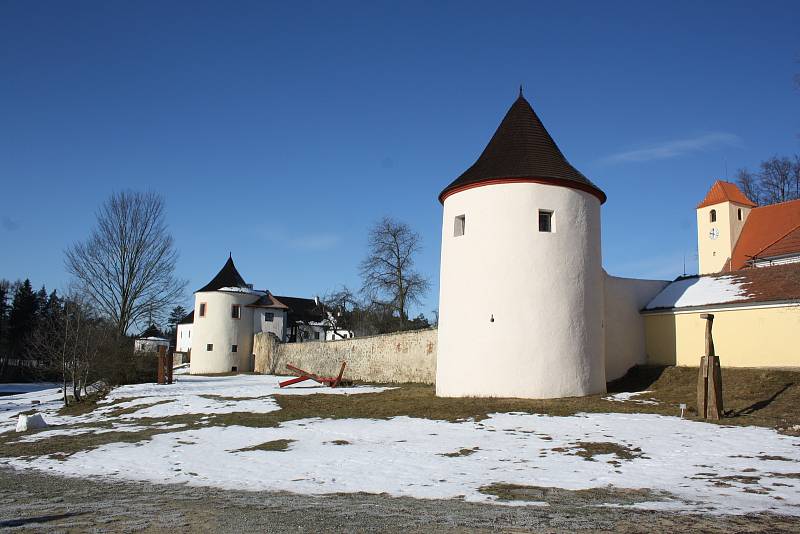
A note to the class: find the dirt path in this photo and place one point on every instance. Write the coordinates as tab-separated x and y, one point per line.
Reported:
34	502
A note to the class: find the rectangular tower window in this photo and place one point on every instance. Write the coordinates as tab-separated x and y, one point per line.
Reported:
460	223
545	221
210	347
202	309
234	348
236	311
269	316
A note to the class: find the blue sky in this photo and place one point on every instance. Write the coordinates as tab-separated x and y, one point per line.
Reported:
281	131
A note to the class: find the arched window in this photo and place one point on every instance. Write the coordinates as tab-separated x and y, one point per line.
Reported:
713	215
739	214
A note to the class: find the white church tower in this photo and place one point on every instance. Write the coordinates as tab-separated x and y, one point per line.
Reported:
521	290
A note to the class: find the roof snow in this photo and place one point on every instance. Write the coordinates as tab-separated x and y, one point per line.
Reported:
700	291
242	290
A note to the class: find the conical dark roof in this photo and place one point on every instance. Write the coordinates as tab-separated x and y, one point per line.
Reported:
521	150
228	276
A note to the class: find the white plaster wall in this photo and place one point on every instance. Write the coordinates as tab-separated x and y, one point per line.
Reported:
624	325
223	331
546	286
184	338
277	326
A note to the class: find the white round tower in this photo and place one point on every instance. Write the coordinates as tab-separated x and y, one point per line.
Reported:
521	287
222	333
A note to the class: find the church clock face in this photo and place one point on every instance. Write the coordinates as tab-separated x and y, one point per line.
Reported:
713	233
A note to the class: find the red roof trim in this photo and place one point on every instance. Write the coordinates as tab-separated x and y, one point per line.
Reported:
572	184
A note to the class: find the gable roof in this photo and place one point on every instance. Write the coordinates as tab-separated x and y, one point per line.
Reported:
301	310
723	191
268	301
228	276
755	285
521	150
767	230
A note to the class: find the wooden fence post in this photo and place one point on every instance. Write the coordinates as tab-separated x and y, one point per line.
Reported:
709	381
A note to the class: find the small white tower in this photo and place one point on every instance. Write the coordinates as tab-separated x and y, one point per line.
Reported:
222	333
521	289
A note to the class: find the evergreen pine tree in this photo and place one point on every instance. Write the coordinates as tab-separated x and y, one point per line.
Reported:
22	318
4	310
41	306
175	317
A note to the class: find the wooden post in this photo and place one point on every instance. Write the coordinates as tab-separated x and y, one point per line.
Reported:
170	364
709	381
161	358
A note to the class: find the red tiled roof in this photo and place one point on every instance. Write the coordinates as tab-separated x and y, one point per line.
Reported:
725	192
788	244
768	231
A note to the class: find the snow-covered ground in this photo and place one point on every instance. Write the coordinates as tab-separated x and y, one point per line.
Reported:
706	467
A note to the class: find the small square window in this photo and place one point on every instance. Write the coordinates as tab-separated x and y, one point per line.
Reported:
236	311
234	348
459	225
202	309
545	221
210	347
269	316
316	335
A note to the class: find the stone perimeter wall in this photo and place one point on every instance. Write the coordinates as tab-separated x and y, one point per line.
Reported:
398	357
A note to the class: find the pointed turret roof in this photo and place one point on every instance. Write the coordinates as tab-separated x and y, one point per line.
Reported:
723	191
228	276
521	150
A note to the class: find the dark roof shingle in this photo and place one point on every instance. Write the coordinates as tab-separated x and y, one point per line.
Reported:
521	150
228	276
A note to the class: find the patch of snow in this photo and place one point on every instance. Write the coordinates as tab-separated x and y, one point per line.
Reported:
700	291
628	396
403	456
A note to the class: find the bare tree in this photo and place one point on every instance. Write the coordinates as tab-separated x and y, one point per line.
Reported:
778	179
127	266
749	184
70	343
387	273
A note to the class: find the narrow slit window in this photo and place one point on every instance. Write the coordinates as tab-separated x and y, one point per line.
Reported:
202	309
236	311
545	221
739	214
713	216
234	348
460	223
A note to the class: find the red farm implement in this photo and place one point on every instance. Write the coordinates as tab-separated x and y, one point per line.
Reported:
302	376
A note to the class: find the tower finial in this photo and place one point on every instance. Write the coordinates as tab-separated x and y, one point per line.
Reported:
520	89
230	256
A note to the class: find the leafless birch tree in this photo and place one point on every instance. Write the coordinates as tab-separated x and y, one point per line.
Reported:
127	265
387	273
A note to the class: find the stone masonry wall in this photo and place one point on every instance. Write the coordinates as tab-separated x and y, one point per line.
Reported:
399	357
